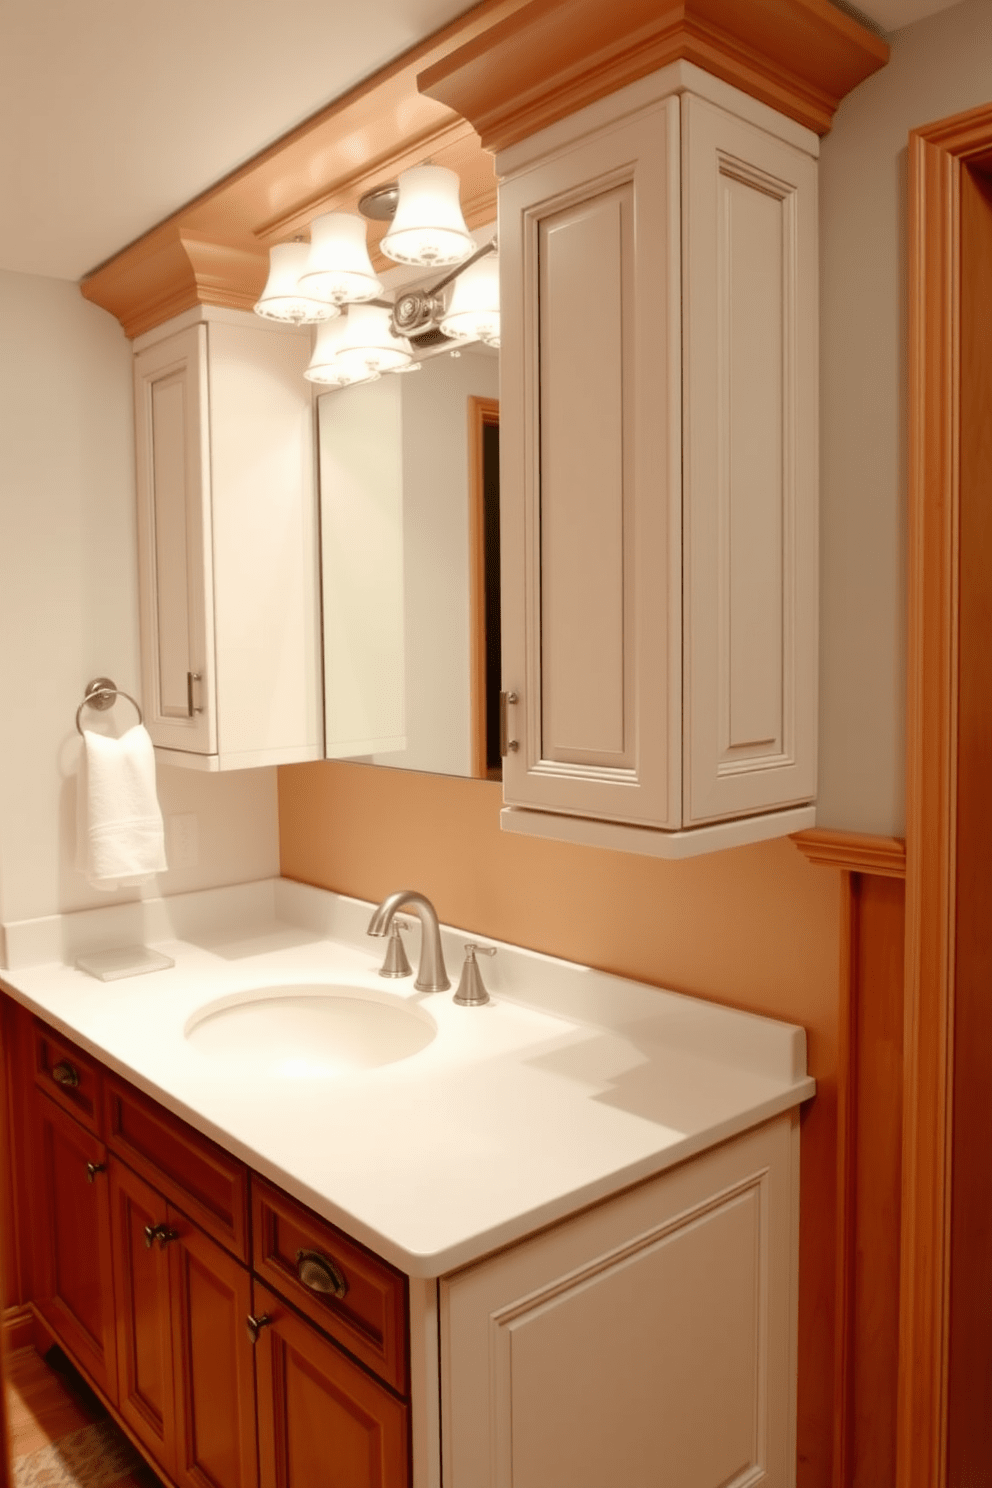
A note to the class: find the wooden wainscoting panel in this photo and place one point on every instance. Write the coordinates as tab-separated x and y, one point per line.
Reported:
869	1138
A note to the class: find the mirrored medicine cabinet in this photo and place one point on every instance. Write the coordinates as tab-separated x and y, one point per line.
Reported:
409	510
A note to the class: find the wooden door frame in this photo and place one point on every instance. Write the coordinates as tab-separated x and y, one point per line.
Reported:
937	156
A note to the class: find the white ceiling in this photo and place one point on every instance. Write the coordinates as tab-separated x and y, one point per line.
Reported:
113	113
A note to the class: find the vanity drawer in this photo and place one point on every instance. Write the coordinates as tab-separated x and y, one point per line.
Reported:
68	1075
289	1242
200	1178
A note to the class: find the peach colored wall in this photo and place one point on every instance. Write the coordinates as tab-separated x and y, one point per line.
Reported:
756	927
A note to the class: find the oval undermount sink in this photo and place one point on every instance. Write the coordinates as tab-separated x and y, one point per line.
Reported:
310	1030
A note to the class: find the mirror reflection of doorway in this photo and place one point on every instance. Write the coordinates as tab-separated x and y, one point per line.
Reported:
484	602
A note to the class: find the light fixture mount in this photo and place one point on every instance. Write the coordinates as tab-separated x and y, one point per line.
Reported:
379	204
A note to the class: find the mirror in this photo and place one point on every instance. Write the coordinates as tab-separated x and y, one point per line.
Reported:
409	502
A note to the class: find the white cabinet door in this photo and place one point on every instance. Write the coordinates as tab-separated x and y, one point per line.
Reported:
648	1343
750	468
174	541
590	474
659	471
228	542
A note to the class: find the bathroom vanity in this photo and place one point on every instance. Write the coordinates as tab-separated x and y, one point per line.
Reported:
556	1243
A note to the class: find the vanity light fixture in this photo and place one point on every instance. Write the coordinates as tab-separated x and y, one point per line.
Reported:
324	367
338	268
473	314
368	343
282	298
427	226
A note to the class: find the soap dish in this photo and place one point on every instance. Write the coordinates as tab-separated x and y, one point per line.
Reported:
124	961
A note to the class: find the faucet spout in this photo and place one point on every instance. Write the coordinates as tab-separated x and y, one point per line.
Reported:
432	975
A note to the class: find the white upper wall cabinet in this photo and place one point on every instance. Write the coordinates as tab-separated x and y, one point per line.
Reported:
659	470
227	542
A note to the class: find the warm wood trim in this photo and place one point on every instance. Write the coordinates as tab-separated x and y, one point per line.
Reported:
845	1225
213	251
537	65
18	1328
936	156
481	411
800	56
855	852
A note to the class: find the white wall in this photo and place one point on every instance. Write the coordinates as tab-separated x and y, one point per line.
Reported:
68	590
940	66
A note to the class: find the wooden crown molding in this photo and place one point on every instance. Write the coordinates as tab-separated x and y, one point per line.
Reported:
213	251
885	857
550	58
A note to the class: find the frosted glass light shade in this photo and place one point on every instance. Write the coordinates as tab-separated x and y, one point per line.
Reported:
473	314
368	345
282	298
338	267
428	227
325	368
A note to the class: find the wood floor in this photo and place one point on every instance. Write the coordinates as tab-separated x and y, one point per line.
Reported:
60	1434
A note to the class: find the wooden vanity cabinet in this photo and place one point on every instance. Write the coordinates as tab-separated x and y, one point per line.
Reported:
73	1272
322	1421
141	1239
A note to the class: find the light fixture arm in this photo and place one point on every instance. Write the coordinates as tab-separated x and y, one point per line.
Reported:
420	309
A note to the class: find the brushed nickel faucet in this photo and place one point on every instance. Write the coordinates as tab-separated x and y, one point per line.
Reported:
431	973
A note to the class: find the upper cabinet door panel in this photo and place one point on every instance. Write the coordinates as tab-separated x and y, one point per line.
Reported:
174	541
750	306
590	473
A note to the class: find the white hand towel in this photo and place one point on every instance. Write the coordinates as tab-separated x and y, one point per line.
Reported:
120	838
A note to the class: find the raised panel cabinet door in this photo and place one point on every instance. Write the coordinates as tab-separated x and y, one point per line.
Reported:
751	467
650	1342
322	1421
174	541
142	1236
214	1363
73	1270
590	473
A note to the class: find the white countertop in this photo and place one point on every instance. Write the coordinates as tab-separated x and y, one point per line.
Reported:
569	1086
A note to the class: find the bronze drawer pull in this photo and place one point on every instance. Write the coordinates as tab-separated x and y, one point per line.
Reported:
161	1233
65	1074
254	1326
92	1169
318	1274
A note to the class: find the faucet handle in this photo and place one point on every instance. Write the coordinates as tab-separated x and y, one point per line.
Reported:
471	988
396	963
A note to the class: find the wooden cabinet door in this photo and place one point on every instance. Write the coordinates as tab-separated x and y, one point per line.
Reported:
146	1398
322	1421
751	467
174	541
73	1272
213	1361
590	473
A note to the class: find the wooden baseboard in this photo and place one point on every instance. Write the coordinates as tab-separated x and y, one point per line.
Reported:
18	1327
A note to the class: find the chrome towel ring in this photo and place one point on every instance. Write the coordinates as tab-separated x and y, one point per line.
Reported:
102	694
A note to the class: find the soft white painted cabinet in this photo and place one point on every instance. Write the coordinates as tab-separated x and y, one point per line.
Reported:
227	542
659	470
649	1342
